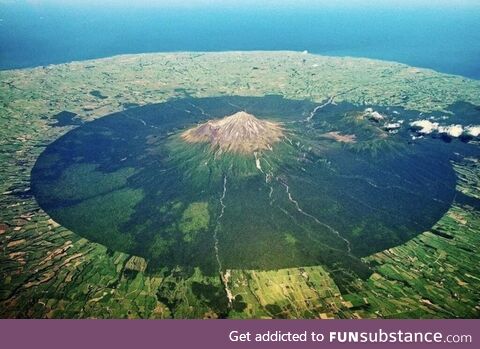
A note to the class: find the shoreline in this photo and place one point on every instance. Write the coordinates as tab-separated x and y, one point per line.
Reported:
230	52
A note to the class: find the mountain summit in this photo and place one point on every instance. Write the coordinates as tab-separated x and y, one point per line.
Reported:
238	133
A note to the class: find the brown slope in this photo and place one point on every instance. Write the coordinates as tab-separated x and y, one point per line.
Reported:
239	133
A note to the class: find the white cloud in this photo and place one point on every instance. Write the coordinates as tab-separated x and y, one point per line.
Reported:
451	130
473	131
425	126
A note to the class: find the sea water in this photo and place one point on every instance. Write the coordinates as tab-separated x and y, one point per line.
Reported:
443	39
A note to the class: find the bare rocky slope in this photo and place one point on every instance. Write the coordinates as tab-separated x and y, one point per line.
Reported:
239	133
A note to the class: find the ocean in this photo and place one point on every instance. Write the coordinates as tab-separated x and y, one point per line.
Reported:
446	40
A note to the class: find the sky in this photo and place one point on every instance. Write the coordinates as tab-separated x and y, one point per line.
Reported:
253	3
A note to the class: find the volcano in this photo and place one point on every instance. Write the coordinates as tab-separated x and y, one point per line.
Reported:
228	183
238	133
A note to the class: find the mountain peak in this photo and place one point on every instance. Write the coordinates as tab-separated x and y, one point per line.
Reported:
239	133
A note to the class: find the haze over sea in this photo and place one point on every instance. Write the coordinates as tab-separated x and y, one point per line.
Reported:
445	38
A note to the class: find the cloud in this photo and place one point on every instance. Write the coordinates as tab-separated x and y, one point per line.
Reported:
427	127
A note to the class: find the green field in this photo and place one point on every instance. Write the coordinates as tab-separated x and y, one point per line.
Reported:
117	217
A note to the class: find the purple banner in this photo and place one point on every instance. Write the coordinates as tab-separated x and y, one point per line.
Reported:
333	334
